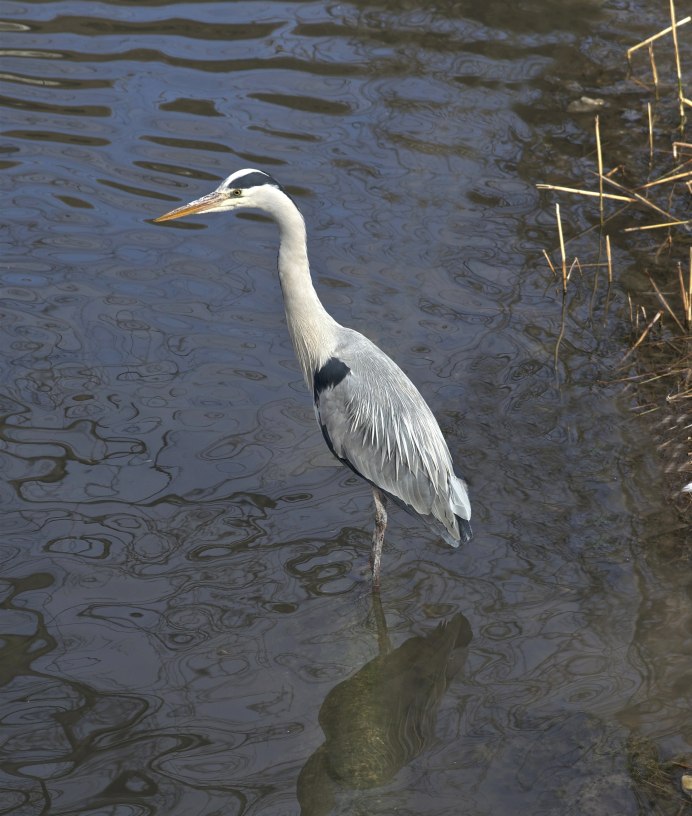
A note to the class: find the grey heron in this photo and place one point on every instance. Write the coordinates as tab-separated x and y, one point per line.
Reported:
371	415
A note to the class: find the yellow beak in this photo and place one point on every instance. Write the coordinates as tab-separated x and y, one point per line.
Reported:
201	205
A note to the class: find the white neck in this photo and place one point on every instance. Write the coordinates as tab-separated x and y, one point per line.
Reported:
311	327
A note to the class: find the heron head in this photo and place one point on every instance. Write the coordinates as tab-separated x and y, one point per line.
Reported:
241	190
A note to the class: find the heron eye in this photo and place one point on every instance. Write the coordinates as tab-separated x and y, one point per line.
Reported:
236	192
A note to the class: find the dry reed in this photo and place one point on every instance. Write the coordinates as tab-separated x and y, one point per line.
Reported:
667	335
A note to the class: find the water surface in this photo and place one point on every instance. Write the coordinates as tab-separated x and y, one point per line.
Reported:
185	614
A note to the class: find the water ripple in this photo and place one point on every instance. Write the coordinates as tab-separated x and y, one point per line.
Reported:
184	570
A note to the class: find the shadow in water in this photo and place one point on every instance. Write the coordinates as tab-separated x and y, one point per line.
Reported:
380	719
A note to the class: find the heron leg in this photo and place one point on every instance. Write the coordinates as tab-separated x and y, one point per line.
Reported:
378	535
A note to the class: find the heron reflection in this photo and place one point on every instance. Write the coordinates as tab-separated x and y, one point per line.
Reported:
380	719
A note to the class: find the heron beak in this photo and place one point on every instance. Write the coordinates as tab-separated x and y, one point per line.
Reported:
207	203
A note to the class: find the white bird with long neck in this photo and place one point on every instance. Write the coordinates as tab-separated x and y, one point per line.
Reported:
371	415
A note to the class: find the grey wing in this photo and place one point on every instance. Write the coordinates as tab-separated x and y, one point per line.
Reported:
375	420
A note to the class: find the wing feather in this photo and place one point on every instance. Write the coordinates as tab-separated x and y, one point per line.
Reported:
375	420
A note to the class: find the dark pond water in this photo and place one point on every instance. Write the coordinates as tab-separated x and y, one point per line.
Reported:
186	627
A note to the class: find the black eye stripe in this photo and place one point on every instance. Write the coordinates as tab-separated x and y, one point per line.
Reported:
254	179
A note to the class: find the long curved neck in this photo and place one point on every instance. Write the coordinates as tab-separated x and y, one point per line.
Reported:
311	327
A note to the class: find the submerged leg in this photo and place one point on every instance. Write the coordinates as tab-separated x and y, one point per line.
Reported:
378	535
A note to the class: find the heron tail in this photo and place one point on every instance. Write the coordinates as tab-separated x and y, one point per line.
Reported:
465	529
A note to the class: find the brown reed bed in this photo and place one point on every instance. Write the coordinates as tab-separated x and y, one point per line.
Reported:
647	198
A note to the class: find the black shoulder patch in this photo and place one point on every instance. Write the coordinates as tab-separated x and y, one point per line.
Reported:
330	375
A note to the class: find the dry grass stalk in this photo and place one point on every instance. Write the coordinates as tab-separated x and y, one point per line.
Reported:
642	309
679	148
582	266
575	265
660	34
640	198
642	336
664	225
550	263
686	293
574	190
666	179
678	69
665	303
562	249
609	258
654	71
651	132
599	155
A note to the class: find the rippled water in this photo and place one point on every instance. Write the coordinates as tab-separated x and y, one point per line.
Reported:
186	626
